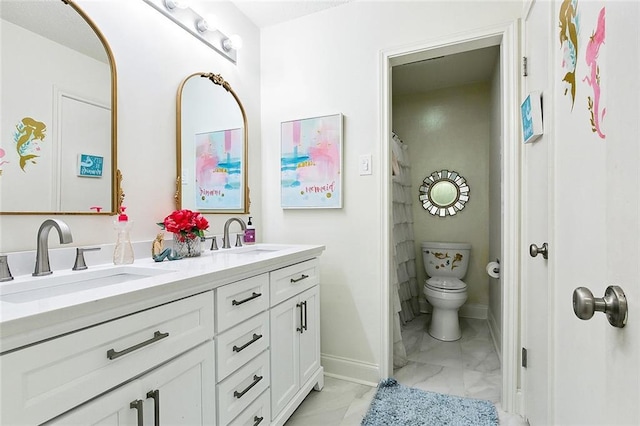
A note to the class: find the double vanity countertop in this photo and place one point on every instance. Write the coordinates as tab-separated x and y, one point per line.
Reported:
33	309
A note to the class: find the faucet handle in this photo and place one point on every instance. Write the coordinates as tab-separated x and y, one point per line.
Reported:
214	243
5	273
80	264
238	240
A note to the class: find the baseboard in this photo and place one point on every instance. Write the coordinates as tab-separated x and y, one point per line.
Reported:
350	370
474	310
496	335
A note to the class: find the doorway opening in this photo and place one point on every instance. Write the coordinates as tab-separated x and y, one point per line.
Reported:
506	318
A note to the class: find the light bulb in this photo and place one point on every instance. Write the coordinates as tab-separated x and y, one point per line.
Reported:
206	23
176	4
234	42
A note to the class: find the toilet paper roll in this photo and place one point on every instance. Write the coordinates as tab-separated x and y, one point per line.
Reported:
493	269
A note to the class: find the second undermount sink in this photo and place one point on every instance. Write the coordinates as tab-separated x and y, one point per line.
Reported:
255	249
38	288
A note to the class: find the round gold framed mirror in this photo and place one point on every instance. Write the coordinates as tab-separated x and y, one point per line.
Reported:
444	193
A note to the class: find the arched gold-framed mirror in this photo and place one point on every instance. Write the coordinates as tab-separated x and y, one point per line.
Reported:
58	147
211	146
444	193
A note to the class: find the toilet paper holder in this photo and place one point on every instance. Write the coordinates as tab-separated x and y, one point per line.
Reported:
493	269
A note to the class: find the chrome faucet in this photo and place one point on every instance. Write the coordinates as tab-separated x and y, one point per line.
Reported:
226	243
42	253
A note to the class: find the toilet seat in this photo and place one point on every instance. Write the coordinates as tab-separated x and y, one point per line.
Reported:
446	284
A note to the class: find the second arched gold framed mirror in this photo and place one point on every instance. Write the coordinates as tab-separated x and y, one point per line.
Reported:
211	146
58	150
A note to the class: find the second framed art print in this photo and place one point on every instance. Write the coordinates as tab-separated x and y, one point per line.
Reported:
311	163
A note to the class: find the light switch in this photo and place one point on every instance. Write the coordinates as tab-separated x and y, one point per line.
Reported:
364	164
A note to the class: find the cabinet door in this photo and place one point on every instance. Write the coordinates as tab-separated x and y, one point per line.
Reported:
310	335
182	392
285	374
112	409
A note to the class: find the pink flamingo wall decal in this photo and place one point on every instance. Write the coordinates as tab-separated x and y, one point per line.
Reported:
593	79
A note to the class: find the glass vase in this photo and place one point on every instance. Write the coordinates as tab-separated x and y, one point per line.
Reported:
186	245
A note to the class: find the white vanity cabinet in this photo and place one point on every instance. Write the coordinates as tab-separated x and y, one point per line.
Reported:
47	379
295	337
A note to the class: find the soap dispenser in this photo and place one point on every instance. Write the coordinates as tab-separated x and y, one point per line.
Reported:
250	233
123	253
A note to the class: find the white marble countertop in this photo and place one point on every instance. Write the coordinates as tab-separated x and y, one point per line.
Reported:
24	321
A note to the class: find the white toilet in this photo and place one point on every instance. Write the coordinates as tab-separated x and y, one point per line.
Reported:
445	264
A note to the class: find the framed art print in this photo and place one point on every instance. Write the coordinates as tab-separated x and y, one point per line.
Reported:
531	114
311	163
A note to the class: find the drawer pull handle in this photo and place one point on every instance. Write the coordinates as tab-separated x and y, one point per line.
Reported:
256	337
240	302
113	354
303	277
257	420
256	379
155	394
138	404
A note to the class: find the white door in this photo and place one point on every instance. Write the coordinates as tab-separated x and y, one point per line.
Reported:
597	217
537	323
285	361
310	335
594	226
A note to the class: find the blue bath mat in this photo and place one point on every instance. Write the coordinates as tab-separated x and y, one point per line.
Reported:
395	404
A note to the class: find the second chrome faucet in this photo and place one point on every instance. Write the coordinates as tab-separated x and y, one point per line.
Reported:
226	243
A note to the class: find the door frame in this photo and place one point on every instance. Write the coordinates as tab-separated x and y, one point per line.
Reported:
508	37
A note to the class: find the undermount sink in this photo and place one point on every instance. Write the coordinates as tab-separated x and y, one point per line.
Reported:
38	288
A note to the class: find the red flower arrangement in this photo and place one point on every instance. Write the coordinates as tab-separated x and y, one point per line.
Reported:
187	223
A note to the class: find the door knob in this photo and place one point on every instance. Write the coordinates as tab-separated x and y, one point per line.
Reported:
534	250
613	304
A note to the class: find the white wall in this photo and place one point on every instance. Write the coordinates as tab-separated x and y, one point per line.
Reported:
153	55
326	63
449	129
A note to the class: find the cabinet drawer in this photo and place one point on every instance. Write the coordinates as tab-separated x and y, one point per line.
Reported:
47	379
258	413
242	343
241	300
287	282
240	389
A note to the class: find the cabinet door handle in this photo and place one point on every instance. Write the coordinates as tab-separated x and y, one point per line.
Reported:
235	302
256	379
301	328
256	337
303	277
113	354
257	420
305	315
155	394
138	404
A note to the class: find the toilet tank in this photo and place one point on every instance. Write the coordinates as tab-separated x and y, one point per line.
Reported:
446	259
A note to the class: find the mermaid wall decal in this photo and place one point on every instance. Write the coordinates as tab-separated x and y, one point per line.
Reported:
28	133
593	78
569	28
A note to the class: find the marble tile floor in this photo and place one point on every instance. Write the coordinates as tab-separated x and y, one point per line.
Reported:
469	367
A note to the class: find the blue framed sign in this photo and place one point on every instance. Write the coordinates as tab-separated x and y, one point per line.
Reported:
531	114
90	165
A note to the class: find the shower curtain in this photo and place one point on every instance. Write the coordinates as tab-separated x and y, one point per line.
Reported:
404	283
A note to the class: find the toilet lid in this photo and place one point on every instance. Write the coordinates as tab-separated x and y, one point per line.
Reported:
446	283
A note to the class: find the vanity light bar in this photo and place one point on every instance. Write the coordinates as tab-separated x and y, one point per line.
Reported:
199	26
